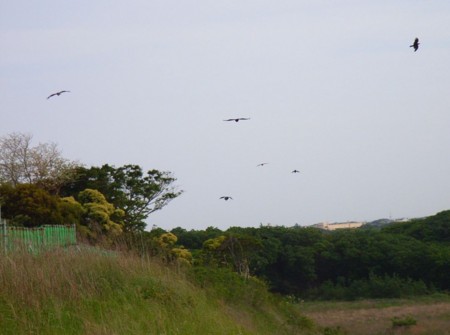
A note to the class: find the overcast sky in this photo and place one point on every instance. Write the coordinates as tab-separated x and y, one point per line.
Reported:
331	88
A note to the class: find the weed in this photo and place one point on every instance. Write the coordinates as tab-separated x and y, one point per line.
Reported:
334	331
403	322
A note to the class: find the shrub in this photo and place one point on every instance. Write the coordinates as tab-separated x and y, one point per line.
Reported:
374	287
403	322
334	331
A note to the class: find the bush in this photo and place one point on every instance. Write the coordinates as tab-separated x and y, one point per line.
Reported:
403	322
334	331
373	287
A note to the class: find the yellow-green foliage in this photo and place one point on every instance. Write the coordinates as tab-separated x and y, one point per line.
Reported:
167	243
211	251
182	254
75	206
98	210
167	240
213	243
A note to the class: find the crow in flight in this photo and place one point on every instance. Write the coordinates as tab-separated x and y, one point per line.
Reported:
415	45
238	119
57	93
226	198
262	164
295	171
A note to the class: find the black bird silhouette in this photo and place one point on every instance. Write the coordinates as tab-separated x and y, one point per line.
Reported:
415	45
295	171
262	164
226	198
57	93
238	119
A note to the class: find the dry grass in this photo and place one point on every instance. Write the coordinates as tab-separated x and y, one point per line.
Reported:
59	273
367	319
92	291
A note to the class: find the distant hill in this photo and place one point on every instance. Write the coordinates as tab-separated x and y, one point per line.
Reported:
435	228
378	223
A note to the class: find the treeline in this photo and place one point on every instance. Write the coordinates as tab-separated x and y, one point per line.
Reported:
399	260
38	186
110	206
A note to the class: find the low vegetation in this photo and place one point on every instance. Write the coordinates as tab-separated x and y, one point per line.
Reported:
426	315
88	291
403	321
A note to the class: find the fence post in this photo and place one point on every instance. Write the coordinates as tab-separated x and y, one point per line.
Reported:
3	231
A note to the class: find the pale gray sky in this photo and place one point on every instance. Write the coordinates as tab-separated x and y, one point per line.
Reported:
332	89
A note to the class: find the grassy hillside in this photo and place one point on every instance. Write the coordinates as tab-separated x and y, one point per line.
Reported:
90	292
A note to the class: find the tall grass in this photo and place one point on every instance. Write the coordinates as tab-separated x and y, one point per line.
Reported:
90	292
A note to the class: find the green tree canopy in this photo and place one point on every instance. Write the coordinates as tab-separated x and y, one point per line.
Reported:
435	228
137	193
31	206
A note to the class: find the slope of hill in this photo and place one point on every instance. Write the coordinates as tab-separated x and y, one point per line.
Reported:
435	228
378	223
73	292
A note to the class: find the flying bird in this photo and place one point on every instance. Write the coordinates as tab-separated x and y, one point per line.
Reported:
295	171
262	164
238	119
415	45
226	198
57	93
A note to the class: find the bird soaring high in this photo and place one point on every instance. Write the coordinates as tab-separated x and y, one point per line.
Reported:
238	119
415	45
295	171
57	93
262	164
226	198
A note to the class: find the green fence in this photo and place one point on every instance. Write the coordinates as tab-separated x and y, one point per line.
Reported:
36	239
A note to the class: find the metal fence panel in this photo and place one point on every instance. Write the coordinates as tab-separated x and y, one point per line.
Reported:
36	239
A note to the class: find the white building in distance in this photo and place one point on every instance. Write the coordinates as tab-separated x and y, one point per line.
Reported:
342	225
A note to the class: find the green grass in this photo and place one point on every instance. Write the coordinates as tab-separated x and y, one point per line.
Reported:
86	292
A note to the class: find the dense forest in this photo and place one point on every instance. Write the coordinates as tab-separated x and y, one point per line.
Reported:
110	205
401	259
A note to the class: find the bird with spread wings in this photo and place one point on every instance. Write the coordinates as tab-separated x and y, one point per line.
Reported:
57	93
226	198
238	119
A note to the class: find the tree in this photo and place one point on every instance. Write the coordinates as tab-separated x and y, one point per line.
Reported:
435	228
193	239
231	250
42	165
128	188
100	217
169	251
31	206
